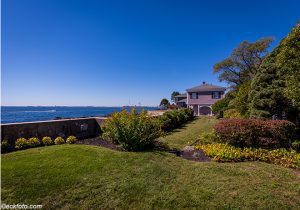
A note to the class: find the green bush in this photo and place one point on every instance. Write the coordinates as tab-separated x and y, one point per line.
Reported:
173	119
59	140
134	132
296	145
71	140
33	142
21	143
228	153
5	147
47	141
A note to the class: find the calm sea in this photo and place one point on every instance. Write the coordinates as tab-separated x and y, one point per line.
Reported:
11	114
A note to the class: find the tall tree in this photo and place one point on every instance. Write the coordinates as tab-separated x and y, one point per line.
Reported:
243	63
267	90
275	89
175	93
288	63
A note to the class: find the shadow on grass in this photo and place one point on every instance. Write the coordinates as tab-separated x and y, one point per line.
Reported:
184	126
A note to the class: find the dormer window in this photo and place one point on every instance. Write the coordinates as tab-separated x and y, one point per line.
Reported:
216	95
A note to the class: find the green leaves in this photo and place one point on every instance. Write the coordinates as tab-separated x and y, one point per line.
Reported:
173	119
243	63
276	86
133	131
228	153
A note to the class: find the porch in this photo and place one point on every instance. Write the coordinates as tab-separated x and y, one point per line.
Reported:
201	109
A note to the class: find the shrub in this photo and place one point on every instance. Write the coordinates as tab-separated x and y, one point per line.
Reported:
228	153
33	142
166	122
71	140
21	143
255	133
59	140
47	141
5	147
296	145
231	113
134	132
173	119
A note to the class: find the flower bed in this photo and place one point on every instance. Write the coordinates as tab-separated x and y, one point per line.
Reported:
228	153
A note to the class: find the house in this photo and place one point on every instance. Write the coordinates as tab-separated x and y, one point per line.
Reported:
201	98
180	100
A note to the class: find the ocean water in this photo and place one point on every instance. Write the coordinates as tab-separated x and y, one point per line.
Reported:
12	114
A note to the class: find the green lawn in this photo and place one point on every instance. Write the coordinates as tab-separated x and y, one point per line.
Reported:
189	133
82	176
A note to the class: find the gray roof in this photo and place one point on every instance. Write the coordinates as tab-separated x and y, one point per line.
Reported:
206	87
182	100
181	95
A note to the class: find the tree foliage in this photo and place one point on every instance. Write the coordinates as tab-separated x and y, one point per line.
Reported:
275	88
220	105
241	100
243	63
266	96
288	63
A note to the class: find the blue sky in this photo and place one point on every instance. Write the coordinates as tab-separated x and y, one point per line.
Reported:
107	53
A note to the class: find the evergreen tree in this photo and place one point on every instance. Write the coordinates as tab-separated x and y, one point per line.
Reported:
288	63
275	89
266	95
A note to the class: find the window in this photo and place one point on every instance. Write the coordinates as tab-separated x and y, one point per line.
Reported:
194	95
216	95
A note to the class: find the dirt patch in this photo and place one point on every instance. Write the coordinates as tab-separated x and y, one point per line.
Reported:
194	155
187	153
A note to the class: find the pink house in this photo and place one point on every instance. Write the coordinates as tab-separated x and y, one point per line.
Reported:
202	97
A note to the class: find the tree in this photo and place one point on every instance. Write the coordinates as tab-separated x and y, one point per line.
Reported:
275	89
266	95
220	105
241	100
175	93
164	103
288	63
243	63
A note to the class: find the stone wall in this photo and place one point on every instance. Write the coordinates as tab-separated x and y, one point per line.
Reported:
79	127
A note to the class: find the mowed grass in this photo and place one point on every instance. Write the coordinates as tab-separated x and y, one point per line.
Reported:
189	133
90	177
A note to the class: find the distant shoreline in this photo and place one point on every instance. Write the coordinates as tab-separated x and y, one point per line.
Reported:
15	114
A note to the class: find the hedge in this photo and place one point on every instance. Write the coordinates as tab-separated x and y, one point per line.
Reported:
174	119
255	133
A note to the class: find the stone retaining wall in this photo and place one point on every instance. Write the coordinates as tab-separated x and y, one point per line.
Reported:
79	127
